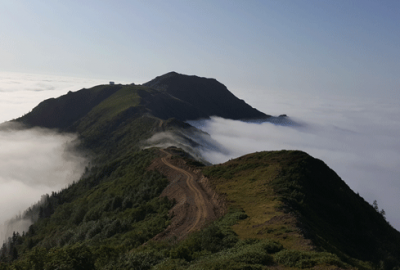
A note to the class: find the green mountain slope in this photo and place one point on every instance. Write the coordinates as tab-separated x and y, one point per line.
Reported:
285	210
291	197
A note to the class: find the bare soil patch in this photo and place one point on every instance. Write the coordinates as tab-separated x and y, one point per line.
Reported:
196	202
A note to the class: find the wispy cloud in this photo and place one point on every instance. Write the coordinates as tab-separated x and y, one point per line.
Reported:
193	141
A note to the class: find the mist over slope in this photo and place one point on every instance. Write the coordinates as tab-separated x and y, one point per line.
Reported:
34	162
358	138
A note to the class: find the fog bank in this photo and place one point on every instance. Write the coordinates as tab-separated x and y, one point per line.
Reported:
195	142
356	138
34	162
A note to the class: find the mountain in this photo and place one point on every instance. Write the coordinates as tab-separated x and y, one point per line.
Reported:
208	96
144	207
172	95
299	201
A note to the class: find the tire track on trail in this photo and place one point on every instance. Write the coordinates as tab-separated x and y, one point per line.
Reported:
197	202
202	212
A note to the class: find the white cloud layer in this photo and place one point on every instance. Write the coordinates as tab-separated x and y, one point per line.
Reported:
34	162
356	138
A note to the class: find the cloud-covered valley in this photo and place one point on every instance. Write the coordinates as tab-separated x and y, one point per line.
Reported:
34	162
357	138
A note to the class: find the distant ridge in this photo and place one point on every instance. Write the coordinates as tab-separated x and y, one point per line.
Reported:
171	95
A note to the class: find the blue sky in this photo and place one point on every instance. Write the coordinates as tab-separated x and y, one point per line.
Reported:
336	47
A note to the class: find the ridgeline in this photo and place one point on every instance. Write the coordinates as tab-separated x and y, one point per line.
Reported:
153	208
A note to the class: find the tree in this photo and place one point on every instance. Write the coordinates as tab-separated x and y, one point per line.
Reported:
383	213
375	205
14	254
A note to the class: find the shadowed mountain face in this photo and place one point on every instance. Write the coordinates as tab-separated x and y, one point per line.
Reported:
207	96
169	96
62	112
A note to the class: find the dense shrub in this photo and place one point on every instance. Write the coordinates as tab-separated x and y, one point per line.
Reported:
303	259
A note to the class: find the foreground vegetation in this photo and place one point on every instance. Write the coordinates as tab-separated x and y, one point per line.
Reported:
115	208
215	247
107	224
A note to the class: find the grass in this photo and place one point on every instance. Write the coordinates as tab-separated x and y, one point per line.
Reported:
247	184
118	102
270	185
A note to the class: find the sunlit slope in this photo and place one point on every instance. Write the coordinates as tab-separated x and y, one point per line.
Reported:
299	201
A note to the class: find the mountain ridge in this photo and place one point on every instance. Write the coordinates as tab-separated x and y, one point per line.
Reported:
281	209
180	100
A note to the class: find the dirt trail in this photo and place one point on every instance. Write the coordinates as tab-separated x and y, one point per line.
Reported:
197	204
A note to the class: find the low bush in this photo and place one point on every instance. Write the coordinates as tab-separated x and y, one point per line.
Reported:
304	259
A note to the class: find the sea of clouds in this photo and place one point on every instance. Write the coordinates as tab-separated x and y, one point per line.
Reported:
355	136
33	162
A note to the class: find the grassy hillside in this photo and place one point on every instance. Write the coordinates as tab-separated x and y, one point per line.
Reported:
297	200
282	216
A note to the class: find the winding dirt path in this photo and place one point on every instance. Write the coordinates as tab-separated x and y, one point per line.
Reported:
197	204
202	212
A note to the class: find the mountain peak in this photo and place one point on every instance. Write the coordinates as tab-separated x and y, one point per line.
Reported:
206	95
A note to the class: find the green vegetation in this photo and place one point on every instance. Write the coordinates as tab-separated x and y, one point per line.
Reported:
116	207
288	195
304	259
215	247
332	215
